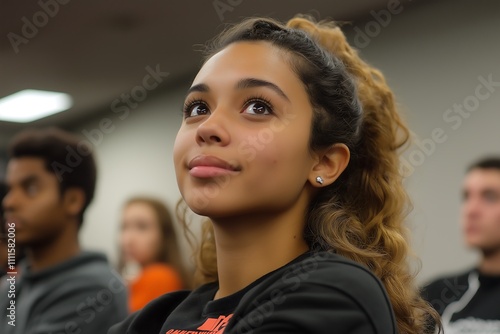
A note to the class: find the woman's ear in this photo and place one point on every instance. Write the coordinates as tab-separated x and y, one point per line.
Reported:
74	200
330	164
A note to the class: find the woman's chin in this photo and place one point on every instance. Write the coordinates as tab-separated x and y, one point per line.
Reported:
212	211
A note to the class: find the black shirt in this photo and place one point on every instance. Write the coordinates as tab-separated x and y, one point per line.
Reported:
468	303
320	293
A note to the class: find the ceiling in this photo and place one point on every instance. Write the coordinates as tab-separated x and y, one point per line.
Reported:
98	50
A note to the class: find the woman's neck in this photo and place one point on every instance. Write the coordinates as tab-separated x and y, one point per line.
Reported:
250	247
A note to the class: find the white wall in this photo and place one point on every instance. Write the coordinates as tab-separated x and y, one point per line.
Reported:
432	55
133	159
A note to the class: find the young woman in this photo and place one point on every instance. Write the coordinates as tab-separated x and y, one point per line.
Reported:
150	258
289	146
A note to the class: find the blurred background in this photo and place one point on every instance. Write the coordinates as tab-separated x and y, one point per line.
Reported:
127	65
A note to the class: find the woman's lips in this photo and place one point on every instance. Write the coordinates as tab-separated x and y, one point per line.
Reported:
207	166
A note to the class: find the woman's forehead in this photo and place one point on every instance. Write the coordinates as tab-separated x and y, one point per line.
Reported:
250	59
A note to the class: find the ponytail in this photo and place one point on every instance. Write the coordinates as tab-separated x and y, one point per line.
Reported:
363	217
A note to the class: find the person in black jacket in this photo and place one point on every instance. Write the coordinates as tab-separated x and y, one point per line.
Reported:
289	148
469	302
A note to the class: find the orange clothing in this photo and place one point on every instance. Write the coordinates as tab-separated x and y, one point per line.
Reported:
154	281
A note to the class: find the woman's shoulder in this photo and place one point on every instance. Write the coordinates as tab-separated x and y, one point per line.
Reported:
329	269
320	291
337	271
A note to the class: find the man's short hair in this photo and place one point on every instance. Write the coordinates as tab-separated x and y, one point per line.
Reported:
65	156
486	163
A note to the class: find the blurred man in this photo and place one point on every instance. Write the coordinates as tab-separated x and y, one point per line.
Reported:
470	302
59	288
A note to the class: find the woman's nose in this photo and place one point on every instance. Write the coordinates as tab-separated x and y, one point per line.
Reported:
213	130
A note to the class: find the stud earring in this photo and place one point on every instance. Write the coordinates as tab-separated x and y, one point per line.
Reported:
319	179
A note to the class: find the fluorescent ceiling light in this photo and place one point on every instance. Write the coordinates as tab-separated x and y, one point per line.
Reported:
29	105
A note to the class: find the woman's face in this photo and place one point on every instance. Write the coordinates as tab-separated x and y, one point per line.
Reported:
243	146
140	236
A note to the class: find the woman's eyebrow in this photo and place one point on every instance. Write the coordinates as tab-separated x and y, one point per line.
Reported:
242	84
202	88
253	82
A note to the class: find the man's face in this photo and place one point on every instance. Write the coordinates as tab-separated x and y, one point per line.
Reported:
33	203
481	209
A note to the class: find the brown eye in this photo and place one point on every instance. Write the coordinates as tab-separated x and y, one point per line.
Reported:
31	189
257	108
491	197
198	110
